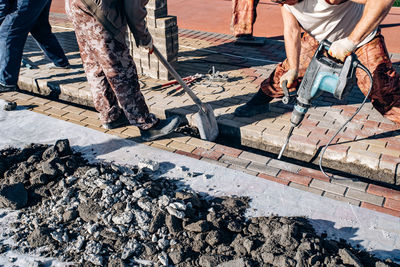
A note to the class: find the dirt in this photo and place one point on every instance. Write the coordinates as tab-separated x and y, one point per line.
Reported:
111	215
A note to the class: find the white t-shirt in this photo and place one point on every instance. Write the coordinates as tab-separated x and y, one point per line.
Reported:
326	21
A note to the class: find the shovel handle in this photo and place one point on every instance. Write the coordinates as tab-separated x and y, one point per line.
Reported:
177	77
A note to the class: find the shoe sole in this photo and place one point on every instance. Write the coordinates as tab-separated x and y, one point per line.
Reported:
163	134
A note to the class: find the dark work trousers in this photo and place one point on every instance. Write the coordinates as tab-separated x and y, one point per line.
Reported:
110	70
18	18
385	93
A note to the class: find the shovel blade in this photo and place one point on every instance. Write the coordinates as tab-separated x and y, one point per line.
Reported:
206	123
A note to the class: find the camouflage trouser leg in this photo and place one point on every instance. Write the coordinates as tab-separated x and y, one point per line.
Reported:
385	93
110	70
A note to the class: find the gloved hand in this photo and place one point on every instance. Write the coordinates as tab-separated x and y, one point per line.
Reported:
290	76
149	46
342	48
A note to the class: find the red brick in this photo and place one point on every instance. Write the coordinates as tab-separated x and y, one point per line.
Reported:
309	122
388	127
273	179
384	192
233	152
392	204
316	174
187	154
293	177
380	209
392	145
370	124
210	154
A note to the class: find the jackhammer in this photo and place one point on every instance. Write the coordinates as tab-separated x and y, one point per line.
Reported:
324	74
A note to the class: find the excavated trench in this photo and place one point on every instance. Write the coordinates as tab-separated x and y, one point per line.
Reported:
110	215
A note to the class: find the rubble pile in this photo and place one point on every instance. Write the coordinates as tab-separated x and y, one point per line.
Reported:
111	215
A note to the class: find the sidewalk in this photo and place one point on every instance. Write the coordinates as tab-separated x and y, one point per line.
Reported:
358	151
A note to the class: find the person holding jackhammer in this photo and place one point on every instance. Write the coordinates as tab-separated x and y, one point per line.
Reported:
351	26
100	29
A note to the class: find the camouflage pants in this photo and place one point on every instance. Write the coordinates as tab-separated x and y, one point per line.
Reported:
110	70
385	93
243	16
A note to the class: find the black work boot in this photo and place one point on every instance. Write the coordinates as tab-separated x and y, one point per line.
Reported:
8	88
163	127
121	121
258	104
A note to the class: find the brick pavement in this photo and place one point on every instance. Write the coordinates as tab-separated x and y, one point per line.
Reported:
368	147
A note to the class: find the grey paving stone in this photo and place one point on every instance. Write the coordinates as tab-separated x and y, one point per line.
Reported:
342	198
234	161
284	165
254	157
328	187
238	168
348	182
358	195
306	188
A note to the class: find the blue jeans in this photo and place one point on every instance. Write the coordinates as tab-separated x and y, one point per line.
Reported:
18	18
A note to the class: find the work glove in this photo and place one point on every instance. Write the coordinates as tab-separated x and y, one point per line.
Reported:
342	48
290	76
149	46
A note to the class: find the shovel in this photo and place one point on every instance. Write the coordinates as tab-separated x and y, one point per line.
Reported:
204	119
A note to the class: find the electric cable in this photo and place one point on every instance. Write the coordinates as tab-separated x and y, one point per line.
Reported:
361	66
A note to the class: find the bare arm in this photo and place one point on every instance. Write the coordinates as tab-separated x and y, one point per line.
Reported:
291	33
374	12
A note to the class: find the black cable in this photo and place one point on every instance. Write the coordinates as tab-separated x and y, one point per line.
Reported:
361	66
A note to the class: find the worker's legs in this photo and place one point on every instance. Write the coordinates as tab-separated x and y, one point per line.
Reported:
13	33
385	94
110	70
6	7
270	88
243	17
47	41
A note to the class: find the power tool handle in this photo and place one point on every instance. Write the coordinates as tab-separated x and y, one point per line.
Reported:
286	97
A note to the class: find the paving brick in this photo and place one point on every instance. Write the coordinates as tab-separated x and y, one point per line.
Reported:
274	179
383	191
187	154
90	114
306	188
284	165
56	105
74	117
74	110
380	209
392	204
200	143
316	174
163	142
349	182
56	111
131	131
211	154
254	157
342	198
92	122
293	177
170	149
364	197
181	146
328	187
234	161
214	162
239	168
227	150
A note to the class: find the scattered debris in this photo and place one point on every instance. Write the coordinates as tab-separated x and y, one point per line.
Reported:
10	106
110	215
